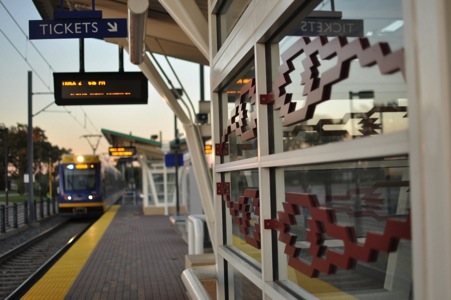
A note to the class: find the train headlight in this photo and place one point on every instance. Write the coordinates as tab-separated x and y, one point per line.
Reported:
90	197
69	197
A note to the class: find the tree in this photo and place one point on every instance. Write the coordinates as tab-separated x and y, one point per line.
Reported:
43	152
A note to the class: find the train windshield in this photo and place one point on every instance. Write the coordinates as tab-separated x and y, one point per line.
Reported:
76	179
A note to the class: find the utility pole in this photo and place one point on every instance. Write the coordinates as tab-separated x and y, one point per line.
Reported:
5	163
31	206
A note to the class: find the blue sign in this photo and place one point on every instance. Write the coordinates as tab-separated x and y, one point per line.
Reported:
169	160
77	28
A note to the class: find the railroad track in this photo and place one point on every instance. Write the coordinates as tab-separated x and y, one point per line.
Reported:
22	266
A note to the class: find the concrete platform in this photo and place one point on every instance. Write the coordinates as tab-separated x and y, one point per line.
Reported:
124	255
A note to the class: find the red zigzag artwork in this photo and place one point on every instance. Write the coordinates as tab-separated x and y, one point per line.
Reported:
321	222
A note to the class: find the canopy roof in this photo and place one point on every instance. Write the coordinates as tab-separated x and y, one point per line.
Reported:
163	35
150	148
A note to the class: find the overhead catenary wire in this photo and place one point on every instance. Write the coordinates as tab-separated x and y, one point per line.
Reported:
90	121
24	58
34	70
197	128
170	83
23	32
176	77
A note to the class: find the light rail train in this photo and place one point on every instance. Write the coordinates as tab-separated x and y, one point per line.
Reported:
88	185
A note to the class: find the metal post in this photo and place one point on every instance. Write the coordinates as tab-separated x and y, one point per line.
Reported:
50	178
39	167
176	165
131	180
15	217
41	206
121	59
26	212
201	79
82	55
30	149
3	220
5	149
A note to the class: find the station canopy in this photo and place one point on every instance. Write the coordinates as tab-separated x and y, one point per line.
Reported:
148	147
163	35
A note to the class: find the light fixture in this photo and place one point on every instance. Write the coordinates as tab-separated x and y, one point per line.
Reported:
392	27
137	23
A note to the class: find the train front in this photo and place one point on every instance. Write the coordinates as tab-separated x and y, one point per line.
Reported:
80	185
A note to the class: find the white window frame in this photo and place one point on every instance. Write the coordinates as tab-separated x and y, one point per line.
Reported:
427	141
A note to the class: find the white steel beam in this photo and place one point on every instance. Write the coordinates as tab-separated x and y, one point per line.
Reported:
428	61
145	184
193	140
160	85
203	176
188	16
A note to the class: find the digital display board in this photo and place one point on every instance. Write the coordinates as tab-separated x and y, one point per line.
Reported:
122	151
100	88
208	149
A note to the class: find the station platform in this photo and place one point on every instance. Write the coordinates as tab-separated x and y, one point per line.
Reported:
124	255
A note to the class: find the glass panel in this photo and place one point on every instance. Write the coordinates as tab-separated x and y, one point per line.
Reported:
344	87
242	207
79	179
241	287
158	183
228	15
349	228
239	127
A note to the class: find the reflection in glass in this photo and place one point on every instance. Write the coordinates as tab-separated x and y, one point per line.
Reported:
244	214
349	112
228	15
239	125
363	196
241	287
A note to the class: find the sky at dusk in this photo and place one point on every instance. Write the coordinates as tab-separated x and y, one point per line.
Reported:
65	126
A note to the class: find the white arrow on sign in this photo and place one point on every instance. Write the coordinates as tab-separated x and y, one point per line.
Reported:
113	28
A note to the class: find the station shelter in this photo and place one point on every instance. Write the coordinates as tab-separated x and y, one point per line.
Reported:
330	129
155	187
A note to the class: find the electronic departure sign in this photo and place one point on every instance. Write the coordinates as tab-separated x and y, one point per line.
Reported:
122	151
208	149
100	88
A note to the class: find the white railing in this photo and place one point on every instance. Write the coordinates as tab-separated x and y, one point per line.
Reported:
196	234
192	281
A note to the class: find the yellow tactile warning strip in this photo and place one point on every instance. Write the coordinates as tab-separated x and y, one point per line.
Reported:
60	277
315	286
